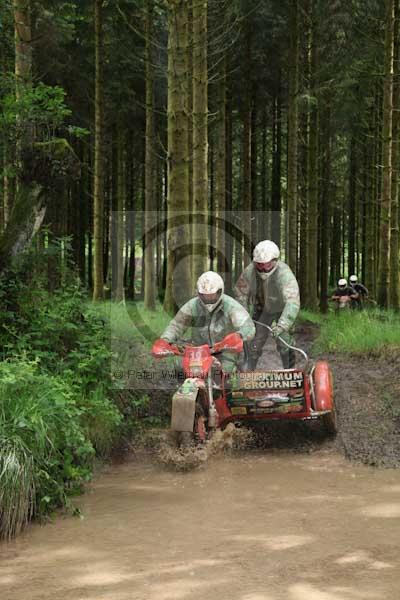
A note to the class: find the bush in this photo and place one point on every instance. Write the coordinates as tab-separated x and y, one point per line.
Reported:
56	407
45	447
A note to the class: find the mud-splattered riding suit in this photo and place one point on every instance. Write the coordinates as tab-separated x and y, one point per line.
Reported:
276	298
209	328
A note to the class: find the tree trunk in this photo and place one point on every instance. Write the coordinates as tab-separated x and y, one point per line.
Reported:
325	207
150	171
200	137
293	124
98	184
246	150
229	239
223	260
118	218
352	206
23	78
312	177
263	226
23	45
276	170
394	282
178	281
385	201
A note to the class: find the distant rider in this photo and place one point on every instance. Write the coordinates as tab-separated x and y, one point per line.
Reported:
361	290
344	289
269	286
212	315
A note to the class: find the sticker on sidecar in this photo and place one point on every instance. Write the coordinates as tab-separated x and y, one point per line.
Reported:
271	380
292	407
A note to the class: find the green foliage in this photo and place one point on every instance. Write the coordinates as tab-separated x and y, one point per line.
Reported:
41	106
43	439
308	316
364	332
56	409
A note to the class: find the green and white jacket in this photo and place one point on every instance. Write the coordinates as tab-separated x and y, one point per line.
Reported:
209	328
277	295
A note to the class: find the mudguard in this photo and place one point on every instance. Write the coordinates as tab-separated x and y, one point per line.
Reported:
323	386
184	405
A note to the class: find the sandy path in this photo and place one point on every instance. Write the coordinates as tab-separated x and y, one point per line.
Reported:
259	526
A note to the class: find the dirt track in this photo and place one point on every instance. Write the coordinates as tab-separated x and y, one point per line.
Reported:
291	521
260	526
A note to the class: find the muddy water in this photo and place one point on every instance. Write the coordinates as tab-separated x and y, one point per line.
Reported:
259	526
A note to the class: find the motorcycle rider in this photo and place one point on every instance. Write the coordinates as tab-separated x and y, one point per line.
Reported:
344	289
270	287
212	315
361	290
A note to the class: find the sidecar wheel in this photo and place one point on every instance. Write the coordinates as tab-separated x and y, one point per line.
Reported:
330	421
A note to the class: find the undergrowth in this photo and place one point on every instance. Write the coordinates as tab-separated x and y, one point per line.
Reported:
58	409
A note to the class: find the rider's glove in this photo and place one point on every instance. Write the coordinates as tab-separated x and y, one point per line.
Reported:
162	348
277	330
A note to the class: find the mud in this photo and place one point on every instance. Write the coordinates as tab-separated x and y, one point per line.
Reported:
187	458
285	518
256	526
367	392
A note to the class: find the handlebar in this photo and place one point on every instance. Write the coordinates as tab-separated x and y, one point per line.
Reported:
285	343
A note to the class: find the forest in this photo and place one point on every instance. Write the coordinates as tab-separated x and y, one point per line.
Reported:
260	120
143	142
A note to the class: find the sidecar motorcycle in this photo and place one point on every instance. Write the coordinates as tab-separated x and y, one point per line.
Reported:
209	399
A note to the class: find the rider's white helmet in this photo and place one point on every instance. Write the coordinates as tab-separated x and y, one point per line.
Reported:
210	287
342	283
265	257
353	278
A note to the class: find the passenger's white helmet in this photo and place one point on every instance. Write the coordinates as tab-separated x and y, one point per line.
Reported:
265	252
353	278
210	287
265	256
342	283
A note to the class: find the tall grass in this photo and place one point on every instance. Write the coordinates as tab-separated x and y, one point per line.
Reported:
42	437
17	486
364	332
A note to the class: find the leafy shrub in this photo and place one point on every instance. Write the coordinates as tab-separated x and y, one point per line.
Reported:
44	446
56	409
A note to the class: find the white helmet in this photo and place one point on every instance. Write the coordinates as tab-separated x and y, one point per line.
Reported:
265	257
210	287
353	278
342	283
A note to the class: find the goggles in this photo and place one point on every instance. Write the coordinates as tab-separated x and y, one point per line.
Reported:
265	267
210	298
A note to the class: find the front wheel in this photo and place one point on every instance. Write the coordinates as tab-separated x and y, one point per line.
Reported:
187	439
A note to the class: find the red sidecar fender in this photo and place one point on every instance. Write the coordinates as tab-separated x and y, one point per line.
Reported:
323	386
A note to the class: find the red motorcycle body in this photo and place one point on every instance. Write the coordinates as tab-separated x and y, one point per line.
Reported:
285	394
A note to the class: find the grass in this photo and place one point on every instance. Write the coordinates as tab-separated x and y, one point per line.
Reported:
133	322
17	490
353	332
308	316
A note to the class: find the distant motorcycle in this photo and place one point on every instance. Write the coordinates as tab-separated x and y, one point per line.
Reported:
343	303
